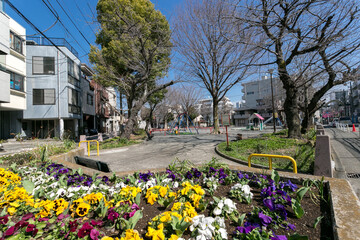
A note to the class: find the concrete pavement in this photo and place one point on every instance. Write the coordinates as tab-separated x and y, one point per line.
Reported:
162	150
346	154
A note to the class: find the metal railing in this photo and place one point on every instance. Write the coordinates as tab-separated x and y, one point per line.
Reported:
270	157
88	146
342	126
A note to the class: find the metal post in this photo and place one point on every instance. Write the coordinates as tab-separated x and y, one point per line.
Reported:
272	99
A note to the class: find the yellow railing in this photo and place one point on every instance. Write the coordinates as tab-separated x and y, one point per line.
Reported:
88	147
270	157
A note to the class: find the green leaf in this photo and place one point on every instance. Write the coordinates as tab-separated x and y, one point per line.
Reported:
134	219
28	185
275	176
137	199
298	237
318	220
4	212
80	171
41	225
296	206
301	192
241	219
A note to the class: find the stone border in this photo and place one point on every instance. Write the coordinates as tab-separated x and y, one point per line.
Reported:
345	211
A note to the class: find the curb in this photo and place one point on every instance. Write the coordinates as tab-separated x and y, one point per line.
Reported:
339	170
253	165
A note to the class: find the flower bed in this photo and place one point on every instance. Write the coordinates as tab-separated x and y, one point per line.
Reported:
209	202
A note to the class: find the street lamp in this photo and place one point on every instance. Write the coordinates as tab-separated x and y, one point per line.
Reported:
272	98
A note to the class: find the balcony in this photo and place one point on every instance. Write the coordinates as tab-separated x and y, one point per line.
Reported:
60	42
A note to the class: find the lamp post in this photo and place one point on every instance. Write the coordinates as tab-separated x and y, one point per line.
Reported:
272	99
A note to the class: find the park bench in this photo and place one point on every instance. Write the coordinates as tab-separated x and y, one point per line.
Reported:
93	164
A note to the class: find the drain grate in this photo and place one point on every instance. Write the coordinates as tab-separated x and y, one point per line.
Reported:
353	175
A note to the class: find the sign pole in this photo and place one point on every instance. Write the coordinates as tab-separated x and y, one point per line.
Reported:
227	137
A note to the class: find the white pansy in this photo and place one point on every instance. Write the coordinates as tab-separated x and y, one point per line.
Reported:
176	185
204	227
217	211
223	233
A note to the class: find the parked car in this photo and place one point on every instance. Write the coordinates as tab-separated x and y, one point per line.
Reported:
93	132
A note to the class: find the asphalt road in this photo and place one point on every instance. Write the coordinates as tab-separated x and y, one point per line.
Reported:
162	150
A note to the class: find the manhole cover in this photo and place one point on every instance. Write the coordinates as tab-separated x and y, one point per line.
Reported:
353	175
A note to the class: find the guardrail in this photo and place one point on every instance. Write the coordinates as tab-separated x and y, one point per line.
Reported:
88	147
342	126
270	157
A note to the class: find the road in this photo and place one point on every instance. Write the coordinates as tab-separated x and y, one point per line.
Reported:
162	150
346	145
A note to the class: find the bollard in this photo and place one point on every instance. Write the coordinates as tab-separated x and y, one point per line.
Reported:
84	144
100	137
322	165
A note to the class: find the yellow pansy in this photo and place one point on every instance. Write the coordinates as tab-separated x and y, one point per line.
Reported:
11	210
163	191
156	234
173	237
131	234
176	206
82	209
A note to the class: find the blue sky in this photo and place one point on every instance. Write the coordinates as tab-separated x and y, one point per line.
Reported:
82	12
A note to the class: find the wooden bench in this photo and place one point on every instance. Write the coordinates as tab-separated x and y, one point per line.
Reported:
90	163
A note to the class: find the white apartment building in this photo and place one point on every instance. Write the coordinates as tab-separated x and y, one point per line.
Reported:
257	99
205	108
12	75
114	120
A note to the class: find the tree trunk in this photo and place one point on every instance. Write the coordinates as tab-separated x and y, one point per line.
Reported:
216	116
132	120
306	122
292	113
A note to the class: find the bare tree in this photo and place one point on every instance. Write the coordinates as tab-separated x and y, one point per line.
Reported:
319	33
210	59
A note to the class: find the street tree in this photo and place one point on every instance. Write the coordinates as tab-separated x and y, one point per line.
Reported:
319	34
202	36
134	51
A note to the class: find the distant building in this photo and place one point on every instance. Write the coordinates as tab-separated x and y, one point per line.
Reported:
102	110
88	100
54	101
257	99
113	122
12	75
205	108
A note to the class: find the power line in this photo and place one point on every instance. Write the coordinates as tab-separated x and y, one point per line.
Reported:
82	14
32	25
58	17
73	23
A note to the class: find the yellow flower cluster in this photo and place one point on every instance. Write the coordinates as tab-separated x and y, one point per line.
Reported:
95	198
128	193
182	211
153	193
80	207
8	178
14	198
192	192
47	206
130	234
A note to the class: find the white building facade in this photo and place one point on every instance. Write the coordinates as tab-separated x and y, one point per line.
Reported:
12	76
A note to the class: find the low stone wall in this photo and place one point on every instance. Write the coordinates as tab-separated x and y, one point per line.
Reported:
345	205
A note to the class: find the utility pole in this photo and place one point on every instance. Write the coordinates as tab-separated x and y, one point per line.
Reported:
272	99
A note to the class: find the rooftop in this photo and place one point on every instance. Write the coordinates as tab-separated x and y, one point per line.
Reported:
60	42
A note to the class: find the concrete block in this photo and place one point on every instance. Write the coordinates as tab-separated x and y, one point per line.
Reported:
322	166
320	131
84	144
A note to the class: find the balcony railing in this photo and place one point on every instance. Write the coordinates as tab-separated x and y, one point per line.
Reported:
60	42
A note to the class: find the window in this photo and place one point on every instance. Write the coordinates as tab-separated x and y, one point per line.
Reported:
74	101
16	82
249	93
73	73
90	99
16	43
43	65
44	96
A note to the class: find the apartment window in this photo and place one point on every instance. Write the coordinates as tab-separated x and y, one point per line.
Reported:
16	43
90	99
44	96
74	101
73	73
16	82
250	93
43	65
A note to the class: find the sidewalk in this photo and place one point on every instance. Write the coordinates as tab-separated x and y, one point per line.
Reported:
346	154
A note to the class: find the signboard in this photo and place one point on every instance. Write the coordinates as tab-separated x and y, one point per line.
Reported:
225	119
